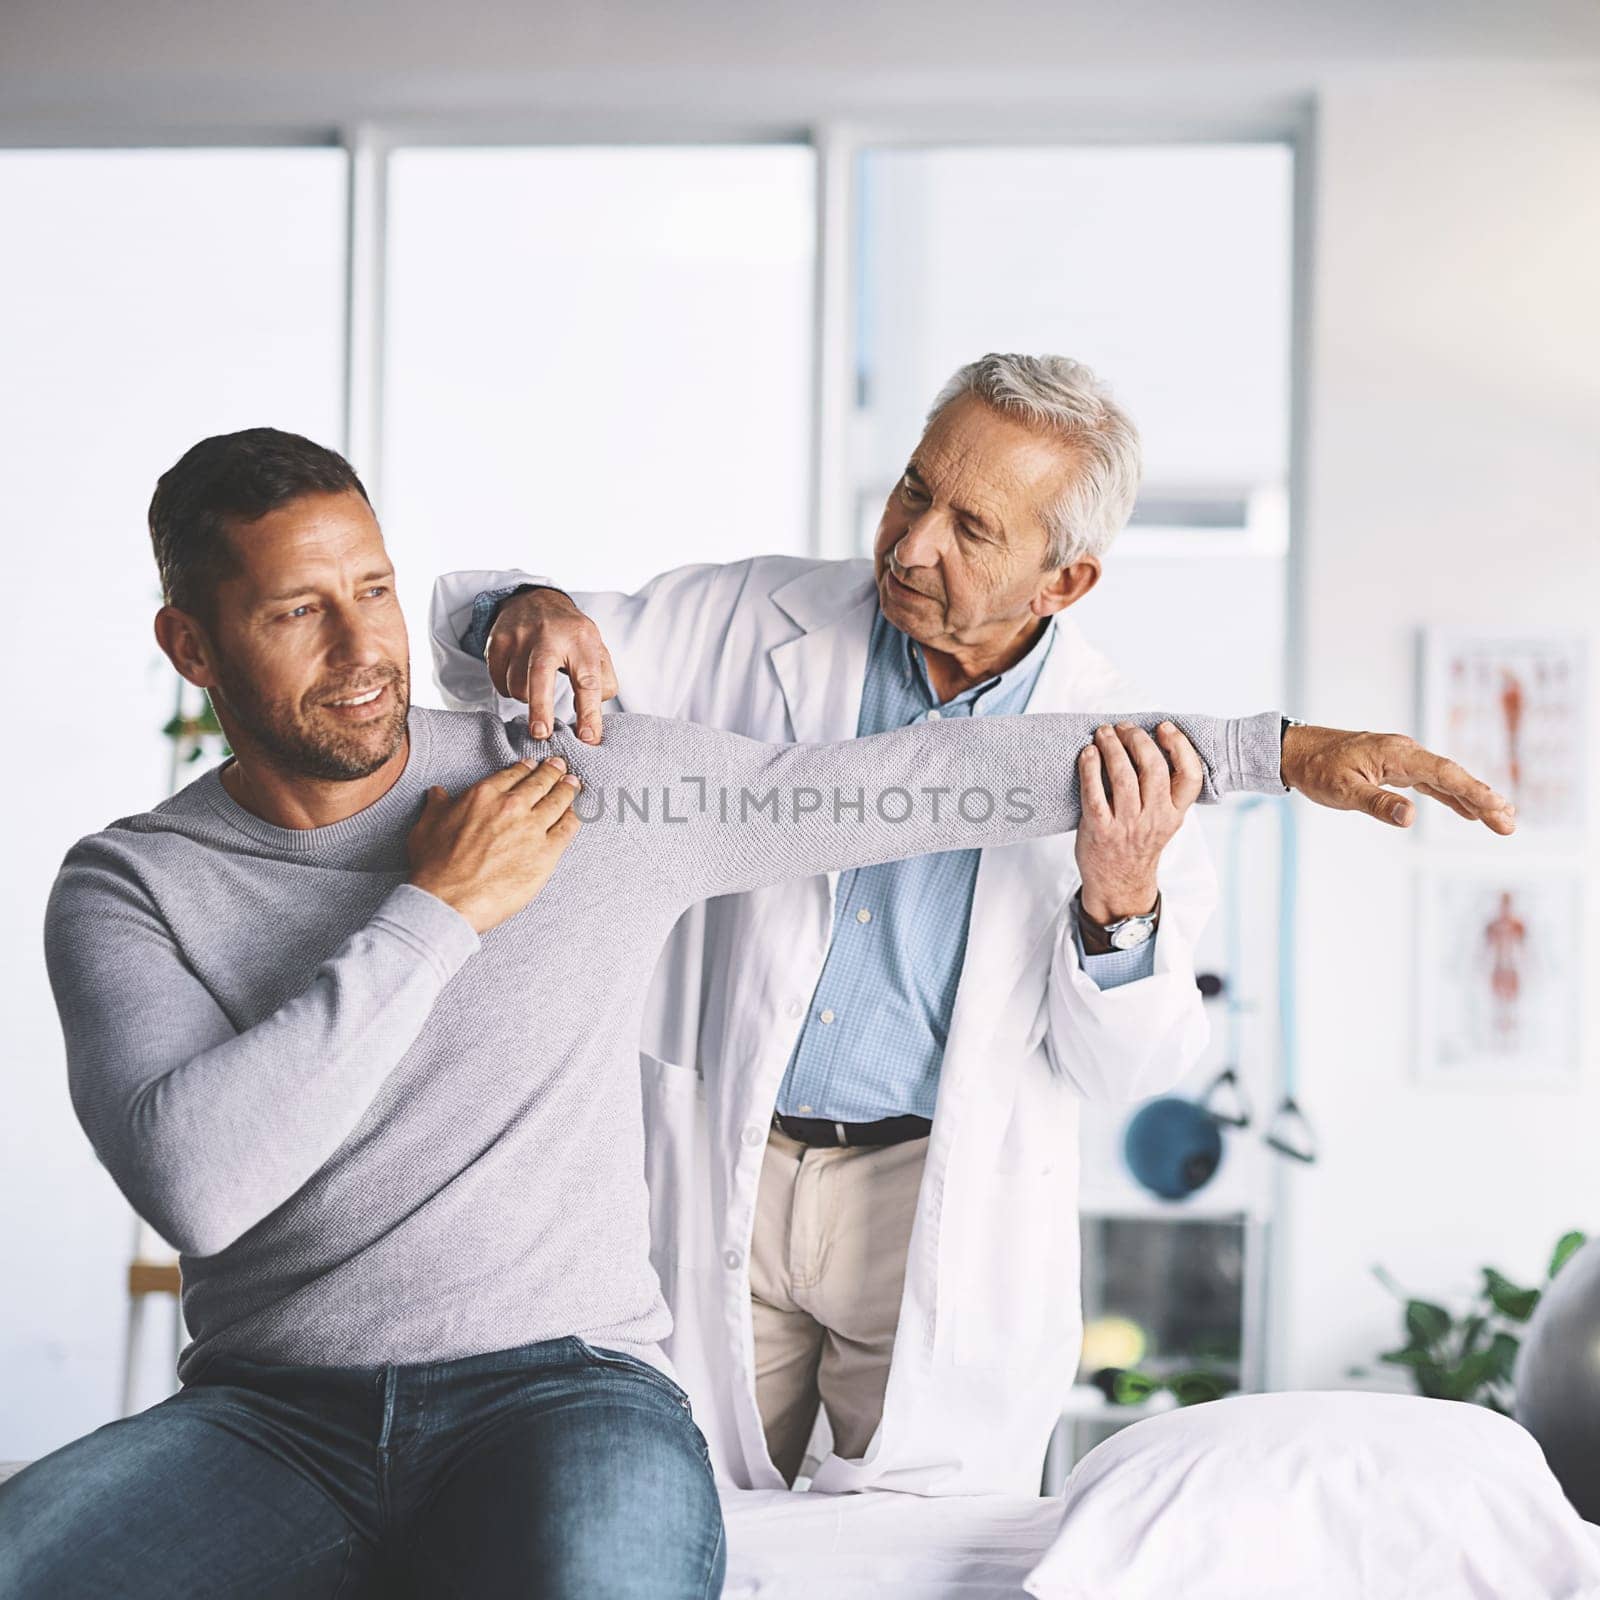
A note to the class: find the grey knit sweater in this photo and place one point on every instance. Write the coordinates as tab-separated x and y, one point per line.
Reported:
376	1137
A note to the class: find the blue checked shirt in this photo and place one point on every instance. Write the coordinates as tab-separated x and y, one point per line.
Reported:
873	1040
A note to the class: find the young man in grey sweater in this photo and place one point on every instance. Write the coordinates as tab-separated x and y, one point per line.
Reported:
296	999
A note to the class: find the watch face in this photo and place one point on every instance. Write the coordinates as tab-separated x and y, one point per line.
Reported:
1131	934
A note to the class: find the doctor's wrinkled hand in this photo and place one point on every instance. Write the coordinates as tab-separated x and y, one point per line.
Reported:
489	851
537	635
1136	790
1359	772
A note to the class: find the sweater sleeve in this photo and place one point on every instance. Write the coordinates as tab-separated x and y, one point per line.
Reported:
207	1128
716	813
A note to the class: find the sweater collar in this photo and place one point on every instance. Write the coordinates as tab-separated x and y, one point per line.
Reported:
400	801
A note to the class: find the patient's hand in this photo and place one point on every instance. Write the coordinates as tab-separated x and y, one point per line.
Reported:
1348	771
537	635
489	851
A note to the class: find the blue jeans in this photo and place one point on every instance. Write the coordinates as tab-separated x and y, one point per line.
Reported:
553	1470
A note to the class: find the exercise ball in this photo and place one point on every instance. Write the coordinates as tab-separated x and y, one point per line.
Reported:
1557	1379
1173	1147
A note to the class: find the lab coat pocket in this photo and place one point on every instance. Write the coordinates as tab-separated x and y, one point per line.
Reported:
1016	1282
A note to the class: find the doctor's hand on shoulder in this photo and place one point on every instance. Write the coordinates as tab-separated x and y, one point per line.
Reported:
538	633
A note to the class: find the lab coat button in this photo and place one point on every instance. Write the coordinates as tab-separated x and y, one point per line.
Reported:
753	1134
731	1260
794	1008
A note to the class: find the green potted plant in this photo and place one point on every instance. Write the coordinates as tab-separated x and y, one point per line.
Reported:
1470	1357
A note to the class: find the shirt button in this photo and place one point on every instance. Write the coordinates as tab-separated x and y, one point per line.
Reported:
933	716
731	1260
753	1134
794	1008
863	915
827	1016
805	1111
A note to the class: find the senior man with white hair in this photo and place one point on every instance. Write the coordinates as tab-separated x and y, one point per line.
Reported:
862	1090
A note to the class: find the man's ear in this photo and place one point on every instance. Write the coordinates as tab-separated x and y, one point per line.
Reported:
185	644
1066	586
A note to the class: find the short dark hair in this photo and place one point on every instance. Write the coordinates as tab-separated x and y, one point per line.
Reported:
229	479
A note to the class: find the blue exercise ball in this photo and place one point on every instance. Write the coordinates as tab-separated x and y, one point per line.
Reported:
1557	1379
1173	1147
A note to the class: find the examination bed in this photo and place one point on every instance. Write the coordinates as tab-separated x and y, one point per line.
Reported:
1263	1497
883	1545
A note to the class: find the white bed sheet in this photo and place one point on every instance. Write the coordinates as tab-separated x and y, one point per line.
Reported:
882	1545
885	1546
784	1546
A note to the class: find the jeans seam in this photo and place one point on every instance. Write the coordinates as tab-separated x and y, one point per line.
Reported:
615	1359
711	1570
344	1571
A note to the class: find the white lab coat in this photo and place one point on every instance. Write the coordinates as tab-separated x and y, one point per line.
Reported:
990	1323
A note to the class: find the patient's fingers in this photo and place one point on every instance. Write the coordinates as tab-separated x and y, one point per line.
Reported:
1472	797
1444	799
1384	804
542	777
556	801
1409	763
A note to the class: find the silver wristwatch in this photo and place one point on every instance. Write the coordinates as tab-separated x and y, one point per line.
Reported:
1128	933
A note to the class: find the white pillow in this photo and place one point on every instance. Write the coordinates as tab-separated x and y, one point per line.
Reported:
1344	1496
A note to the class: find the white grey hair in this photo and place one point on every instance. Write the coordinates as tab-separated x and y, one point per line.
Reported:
1063	397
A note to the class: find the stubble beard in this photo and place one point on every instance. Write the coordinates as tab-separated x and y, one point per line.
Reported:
298	738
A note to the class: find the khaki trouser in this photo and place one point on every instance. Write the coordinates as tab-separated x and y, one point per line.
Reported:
827	1264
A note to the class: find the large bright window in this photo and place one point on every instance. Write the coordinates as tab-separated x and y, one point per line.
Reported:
148	298
1167	269
598	361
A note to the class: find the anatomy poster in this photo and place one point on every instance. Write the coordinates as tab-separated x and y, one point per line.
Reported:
1512	709
1501	978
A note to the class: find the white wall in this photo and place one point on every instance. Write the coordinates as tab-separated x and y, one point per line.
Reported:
1454	477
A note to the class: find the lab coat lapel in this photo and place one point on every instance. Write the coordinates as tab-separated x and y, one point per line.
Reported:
821	670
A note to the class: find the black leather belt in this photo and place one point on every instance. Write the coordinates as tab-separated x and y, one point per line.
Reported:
819	1131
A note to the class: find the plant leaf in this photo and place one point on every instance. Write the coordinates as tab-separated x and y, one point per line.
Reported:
1409	1357
1476	1371
1426	1323
1503	1356
1567	1246
1507	1298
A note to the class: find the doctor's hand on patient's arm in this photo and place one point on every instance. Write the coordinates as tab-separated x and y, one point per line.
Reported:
536	635
489	851
1349	772
1135	791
